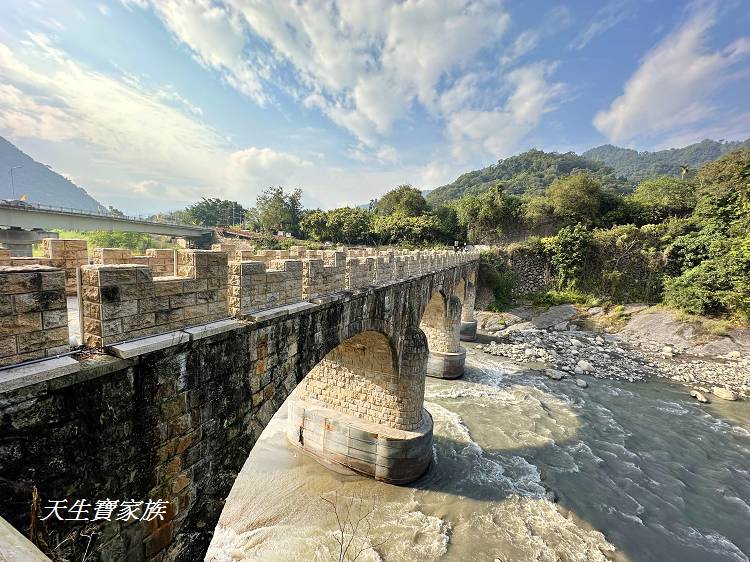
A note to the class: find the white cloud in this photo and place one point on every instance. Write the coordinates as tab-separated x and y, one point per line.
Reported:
674	85
498	131
524	43
363	64
154	136
603	20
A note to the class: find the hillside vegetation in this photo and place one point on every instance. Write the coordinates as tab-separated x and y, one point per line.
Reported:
637	166
530	172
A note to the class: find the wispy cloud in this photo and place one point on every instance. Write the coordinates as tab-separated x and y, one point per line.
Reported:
603	20
674	87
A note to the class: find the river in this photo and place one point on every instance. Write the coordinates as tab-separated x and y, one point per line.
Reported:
524	468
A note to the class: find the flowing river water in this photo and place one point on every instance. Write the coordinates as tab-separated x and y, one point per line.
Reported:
524	468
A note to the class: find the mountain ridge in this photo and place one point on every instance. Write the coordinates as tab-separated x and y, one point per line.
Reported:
38	182
618	169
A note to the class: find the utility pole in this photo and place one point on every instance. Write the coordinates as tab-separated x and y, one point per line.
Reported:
12	185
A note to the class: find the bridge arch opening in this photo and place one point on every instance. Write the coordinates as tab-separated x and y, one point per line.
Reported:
361	406
361	378
441	323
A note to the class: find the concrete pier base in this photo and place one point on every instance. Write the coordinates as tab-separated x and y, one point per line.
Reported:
380	452
20	242
468	330
442	365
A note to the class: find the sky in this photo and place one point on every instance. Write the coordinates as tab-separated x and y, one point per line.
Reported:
152	104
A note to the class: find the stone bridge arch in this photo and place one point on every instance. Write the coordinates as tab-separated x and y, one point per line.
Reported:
361	406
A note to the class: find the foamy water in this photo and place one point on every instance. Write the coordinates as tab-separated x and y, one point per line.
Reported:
524	469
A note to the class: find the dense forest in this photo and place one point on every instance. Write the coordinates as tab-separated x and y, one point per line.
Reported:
636	166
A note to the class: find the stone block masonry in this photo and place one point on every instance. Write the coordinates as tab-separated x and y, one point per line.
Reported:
253	286
360	272
323	275
359	379
178	422
161	261
124	302
33	313
67	255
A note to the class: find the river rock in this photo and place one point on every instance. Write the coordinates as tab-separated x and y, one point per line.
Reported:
581	383
554	374
723	393
555	315
699	396
585	366
734	354
595	310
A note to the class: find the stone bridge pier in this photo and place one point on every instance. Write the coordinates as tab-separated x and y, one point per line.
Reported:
468	322
361	407
441	323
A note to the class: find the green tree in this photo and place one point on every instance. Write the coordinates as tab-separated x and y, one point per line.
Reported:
664	196
570	250
489	215
576	198
278	210
346	225
137	242
405	199
397	228
215	212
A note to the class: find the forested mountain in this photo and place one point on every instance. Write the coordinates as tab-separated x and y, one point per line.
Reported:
530	172
38	182
640	165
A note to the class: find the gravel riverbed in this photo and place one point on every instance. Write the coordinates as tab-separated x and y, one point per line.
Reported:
554	343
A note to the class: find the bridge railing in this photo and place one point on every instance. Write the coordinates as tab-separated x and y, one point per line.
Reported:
164	291
24	206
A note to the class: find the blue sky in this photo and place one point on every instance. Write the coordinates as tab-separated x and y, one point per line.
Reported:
151	104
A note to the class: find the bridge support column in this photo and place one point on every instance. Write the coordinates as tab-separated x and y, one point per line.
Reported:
361	407
442	323
468	323
20	242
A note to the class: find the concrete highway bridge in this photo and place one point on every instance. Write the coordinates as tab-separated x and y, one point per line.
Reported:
28	223
181	372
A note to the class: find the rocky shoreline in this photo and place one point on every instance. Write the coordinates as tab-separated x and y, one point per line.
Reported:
560	343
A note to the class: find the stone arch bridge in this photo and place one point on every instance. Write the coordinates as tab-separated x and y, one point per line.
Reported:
164	406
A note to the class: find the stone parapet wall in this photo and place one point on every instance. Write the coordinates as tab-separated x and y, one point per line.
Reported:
323	276
125	302
384	267
360	272
254	286
67	255
33	313
161	261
